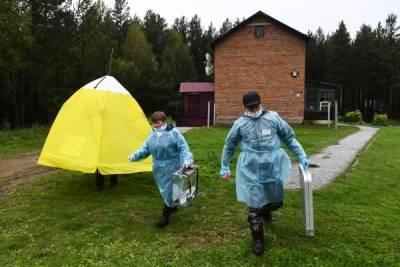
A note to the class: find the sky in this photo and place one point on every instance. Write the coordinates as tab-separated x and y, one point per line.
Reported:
303	15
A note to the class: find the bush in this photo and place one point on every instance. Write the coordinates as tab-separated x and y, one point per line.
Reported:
380	119
353	116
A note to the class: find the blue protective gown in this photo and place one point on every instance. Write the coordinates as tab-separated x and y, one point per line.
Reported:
262	167
169	151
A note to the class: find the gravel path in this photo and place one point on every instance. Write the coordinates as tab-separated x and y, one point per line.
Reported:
334	159
184	129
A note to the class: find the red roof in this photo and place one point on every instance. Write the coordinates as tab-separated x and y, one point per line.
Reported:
187	87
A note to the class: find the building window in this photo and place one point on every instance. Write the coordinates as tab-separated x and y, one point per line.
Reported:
318	98
259	31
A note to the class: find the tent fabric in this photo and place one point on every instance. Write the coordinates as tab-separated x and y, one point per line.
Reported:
97	128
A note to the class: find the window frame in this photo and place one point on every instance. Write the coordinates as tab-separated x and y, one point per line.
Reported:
256	31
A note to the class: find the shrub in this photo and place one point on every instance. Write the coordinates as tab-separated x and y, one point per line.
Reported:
353	116
380	119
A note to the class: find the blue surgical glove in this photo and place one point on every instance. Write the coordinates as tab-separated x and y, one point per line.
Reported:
187	165
305	163
132	157
225	173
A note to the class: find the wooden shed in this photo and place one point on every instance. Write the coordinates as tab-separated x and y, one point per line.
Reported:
198	102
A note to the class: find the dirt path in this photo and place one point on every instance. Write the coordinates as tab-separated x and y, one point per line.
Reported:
19	170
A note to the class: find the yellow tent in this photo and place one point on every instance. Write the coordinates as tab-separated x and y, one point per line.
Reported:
97	128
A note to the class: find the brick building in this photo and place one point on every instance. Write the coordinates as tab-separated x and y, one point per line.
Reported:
263	54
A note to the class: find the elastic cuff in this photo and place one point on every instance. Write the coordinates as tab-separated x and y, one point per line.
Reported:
224	168
302	157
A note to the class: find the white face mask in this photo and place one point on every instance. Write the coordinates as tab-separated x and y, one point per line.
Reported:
254	114
161	128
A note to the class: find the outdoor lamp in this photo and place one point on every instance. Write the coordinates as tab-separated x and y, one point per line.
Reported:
294	74
298	93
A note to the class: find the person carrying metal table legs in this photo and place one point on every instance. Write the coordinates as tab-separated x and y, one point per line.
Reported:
170	152
262	166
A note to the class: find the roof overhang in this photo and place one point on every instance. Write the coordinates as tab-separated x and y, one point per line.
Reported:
196	87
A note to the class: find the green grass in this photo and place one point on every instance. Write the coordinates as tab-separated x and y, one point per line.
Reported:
22	140
315	137
25	140
63	220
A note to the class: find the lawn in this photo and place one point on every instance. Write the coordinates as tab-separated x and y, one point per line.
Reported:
63	220
27	140
22	140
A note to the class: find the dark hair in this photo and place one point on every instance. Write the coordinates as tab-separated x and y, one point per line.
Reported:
158	116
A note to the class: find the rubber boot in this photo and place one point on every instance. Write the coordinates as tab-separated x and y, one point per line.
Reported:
266	215
113	180
173	209
164	219
99	181
257	230
266	211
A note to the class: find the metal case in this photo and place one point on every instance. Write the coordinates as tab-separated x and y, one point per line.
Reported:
307	198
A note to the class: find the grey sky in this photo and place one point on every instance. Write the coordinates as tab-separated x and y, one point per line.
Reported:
302	15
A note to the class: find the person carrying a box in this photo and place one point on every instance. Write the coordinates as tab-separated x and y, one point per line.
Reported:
170	152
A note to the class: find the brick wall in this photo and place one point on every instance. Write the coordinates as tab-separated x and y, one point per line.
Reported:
244	62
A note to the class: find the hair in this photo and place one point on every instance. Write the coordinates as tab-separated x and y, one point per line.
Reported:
158	116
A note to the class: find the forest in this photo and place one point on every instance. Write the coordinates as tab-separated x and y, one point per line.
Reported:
51	48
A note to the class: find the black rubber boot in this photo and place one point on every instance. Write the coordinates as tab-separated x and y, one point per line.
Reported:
99	181
164	219
266	215
257	230
113	180
172	210
266	211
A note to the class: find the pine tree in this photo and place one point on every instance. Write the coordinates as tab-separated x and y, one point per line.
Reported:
137	49
181	25
364	55
176	66
316	65
339	64
392	39
120	15
196	44
52	23
226	26
154	27
15	40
